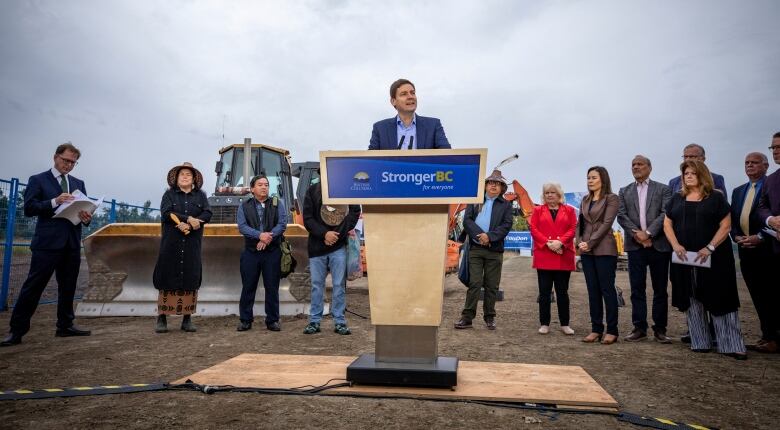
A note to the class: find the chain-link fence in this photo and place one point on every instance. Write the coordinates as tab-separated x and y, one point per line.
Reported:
16	232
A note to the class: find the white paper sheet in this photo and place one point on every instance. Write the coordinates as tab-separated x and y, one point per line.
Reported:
70	210
691	257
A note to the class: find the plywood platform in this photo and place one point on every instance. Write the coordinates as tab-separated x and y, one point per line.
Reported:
565	386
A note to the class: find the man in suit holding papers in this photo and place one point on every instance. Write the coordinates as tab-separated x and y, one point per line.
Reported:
407	130
56	246
769	204
755	249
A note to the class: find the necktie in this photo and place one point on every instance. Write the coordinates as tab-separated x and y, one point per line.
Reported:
744	217
642	189
64	184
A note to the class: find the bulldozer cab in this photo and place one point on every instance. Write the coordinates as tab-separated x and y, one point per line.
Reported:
233	179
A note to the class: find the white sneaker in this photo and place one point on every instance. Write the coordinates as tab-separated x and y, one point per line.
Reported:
544	329
567	330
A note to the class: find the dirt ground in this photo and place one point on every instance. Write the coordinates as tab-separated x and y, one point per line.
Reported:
646	378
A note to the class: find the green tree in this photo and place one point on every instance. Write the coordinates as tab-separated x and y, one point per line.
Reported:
519	223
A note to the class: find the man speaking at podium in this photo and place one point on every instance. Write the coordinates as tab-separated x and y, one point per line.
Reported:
407	130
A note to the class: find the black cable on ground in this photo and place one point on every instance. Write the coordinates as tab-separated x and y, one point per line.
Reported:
317	390
355	313
212	389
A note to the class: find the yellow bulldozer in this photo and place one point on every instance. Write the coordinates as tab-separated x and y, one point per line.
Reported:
121	257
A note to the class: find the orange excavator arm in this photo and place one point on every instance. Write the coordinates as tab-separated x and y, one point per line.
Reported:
523	199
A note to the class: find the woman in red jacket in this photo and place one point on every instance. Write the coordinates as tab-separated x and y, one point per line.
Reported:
553	227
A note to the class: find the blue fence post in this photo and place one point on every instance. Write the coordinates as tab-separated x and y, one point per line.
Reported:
9	243
112	214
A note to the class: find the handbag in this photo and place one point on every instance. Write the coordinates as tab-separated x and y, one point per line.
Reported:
354	263
463	263
621	301
288	261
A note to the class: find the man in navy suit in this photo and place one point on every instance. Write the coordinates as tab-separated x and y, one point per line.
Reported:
696	152
755	250
407	130
56	246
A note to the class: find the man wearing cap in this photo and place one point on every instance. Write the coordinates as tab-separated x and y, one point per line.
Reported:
407	130
328	228
262	220
56	246
486	226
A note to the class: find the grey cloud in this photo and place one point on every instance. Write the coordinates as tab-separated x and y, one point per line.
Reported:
142	86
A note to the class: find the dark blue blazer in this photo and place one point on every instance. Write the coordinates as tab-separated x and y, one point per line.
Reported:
720	184
50	233
755	224
769	205
430	134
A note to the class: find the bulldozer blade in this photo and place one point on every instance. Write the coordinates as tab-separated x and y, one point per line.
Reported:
121	260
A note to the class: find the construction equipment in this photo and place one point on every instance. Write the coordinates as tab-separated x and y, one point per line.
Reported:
121	257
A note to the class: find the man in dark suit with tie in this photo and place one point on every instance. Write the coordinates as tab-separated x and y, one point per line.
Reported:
769	204
56	246
769	212
407	130
641	214
755	250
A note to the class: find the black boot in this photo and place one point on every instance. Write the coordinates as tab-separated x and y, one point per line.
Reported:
187	325
162	324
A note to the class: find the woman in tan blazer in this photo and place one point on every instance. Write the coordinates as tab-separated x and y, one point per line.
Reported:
598	253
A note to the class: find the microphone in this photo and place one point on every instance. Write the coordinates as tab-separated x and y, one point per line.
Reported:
401	143
411	142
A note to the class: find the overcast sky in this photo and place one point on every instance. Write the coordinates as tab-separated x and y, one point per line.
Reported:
140	86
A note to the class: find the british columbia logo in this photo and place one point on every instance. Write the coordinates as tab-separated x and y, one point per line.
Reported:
361	182
361	177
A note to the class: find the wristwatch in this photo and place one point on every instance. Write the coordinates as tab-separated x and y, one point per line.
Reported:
711	247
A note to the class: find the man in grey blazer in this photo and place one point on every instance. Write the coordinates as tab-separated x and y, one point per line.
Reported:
641	214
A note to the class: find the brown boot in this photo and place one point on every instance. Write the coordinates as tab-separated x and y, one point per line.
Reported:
592	338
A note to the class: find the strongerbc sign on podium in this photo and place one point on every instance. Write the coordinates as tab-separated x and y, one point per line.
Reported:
405	197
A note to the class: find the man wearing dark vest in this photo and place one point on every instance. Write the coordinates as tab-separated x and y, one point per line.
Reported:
56	246
261	220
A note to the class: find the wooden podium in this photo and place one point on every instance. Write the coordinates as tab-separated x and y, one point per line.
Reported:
405	197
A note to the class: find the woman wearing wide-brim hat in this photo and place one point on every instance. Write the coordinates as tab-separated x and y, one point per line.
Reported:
178	272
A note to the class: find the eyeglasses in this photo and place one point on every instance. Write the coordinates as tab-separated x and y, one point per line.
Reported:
773	147
68	160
